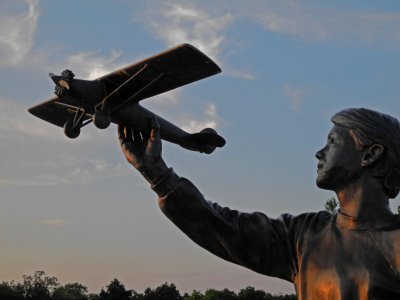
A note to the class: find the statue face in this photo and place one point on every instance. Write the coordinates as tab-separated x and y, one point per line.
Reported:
339	162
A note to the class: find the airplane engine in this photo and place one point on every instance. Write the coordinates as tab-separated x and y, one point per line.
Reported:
91	91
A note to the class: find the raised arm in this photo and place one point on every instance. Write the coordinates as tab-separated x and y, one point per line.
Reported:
265	245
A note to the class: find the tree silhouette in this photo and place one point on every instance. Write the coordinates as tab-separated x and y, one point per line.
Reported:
39	286
212	294
115	291
42	287
195	295
70	291
331	205
163	292
11	291
250	293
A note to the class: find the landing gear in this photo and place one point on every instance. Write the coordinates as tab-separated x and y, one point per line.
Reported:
70	130
101	119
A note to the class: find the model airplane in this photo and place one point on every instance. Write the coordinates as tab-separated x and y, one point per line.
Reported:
115	97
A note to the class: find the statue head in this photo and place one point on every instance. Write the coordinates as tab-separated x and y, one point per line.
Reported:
375	135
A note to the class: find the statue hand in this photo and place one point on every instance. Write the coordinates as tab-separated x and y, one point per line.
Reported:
143	151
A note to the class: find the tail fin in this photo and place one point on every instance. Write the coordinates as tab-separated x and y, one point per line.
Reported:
209	140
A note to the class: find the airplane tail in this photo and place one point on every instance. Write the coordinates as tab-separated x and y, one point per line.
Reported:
208	139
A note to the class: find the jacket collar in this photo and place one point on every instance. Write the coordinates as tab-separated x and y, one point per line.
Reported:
367	224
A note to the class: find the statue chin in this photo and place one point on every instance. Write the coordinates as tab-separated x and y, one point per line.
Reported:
324	183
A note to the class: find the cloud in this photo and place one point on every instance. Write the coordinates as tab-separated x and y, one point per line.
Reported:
188	121
18	23
90	65
178	22
374	28
295	96
16	121
290	18
183	22
206	28
50	170
240	74
165	100
211	120
36	153
320	22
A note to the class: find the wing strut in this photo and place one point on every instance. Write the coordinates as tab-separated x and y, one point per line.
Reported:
72	129
103	103
132	98
102	117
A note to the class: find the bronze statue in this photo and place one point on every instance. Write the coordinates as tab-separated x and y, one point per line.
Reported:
353	254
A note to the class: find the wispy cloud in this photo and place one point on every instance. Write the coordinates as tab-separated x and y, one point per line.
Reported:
210	119
38	153
321	21
289	18
178	22
241	74
91	65
295	96
183	22
374	28
165	100
16	121
51	171
18	25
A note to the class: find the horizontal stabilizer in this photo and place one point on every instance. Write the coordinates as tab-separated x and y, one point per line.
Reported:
208	139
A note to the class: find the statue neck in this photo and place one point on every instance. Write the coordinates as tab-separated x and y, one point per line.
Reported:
364	198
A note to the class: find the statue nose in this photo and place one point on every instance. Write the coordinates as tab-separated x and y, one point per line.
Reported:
319	154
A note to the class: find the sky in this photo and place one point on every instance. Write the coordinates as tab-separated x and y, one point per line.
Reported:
78	211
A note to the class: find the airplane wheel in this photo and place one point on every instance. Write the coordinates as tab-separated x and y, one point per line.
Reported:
101	119
70	131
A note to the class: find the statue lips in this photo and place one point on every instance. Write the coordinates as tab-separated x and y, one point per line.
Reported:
321	174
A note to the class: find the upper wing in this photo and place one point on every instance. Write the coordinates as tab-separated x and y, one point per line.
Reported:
178	66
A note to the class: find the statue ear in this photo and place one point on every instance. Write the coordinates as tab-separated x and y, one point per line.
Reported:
372	154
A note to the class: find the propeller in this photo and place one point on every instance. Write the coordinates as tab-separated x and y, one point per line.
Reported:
63	82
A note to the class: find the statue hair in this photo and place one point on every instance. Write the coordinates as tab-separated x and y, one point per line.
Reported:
369	127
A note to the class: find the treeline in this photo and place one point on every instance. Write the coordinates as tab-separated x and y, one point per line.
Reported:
39	286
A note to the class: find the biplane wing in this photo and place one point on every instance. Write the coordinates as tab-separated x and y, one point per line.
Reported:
160	73
179	66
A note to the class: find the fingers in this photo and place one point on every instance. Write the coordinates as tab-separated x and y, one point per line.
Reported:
136	135
154	146
128	134
138	141
121	133
155	129
125	135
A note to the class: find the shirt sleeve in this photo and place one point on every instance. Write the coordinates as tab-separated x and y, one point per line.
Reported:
253	240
